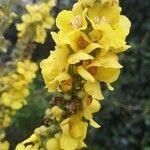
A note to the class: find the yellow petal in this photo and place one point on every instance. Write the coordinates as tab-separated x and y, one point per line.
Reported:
85	74
109	60
78	129
63	20
20	147
77	57
52	85
108	75
52	144
120	49
94	106
62	76
81	144
125	24
59	38
31	139
94	124
65	126
112	14
68	143
93	89
110	87
78	11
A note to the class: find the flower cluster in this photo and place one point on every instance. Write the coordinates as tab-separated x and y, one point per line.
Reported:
85	58
16	85
36	21
13	93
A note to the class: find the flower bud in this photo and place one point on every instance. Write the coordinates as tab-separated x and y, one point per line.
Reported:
52	144
67	97
56	111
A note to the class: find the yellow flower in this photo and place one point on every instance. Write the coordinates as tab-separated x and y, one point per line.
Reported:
17	91
81	45
73	133
88	40
79	41
53	68
27	69
36	22
109	27
103	68
68	21
90	106
100	15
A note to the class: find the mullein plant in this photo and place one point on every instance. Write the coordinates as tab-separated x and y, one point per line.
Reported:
36	21
90	37
17	74
6	18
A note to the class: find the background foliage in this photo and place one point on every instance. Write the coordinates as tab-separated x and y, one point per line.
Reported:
125	113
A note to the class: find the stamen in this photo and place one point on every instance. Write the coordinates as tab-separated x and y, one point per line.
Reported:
100	20
76	22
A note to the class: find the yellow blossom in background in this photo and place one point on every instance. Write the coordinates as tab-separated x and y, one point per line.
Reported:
15	90
36	21
27	69
13	94
18	83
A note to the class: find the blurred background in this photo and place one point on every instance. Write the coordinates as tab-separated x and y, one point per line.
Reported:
125	113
